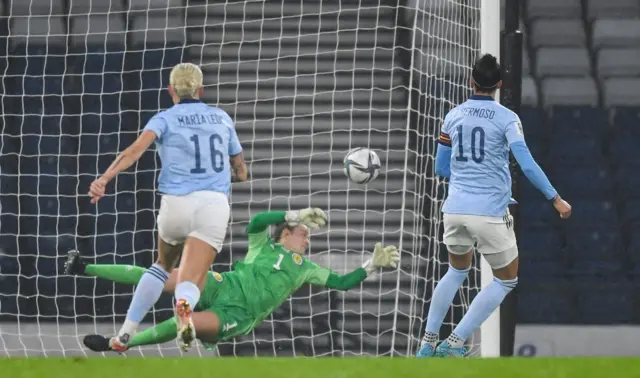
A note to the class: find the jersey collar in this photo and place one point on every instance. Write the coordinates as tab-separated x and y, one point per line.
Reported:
189	101
481	98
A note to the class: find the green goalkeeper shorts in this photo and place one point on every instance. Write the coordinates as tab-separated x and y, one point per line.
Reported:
222	296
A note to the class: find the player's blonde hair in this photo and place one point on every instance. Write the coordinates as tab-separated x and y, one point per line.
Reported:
186	80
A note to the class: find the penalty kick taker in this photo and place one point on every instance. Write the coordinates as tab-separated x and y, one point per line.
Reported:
234	303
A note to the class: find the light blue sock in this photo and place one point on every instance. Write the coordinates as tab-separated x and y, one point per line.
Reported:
441	300
147	293
188	291
481	308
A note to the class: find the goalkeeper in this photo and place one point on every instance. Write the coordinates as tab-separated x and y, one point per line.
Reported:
234	303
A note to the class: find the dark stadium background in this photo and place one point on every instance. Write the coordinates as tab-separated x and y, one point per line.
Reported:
580	109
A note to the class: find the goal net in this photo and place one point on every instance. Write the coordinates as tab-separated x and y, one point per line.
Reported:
305	81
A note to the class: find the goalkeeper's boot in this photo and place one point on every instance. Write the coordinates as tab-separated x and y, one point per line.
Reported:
99	343
426	350
74	266
446	350
186	330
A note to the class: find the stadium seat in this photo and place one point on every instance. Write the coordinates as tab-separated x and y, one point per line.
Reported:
534	123
98	29
616	33
529	91
539	244
544	304
627	183
599	243
37	30
572	152
83	7
538	213
590	182
569	91
589	213
142	5
618	62
621	91
156	28
612	9
553	9
603	271
627	120
548	272
563	61
631	213
605	304
557	32
633	251
574	122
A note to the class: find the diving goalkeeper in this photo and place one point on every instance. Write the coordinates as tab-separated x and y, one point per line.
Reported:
234	303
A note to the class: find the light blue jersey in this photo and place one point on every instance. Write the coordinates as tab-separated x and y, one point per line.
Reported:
194	142
479	133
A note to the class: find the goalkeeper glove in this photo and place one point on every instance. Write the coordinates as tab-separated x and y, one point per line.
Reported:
311	217
383	257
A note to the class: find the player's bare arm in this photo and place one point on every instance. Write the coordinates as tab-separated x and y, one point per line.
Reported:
239	171
122	162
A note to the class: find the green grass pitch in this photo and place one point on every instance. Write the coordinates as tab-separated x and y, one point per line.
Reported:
319	368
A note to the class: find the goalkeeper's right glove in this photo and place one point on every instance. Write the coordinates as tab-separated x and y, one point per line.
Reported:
311	217
383	257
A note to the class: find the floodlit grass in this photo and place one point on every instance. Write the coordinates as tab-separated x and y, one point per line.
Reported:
318	367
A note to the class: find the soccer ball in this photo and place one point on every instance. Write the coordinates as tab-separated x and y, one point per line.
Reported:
361	165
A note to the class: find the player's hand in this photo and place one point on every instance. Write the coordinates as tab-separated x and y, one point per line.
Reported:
562	206
311	217
385	256
97	188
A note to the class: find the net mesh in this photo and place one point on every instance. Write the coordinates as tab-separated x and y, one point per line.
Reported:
305	81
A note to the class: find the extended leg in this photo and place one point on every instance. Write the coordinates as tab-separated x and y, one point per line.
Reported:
443	296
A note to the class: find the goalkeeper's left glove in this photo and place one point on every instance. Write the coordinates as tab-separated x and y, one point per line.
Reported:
311	217
383	257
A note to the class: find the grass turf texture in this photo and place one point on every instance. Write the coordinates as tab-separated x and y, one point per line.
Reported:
317	368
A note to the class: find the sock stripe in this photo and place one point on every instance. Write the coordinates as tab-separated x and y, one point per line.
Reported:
160	270
157	274
507	283
463	271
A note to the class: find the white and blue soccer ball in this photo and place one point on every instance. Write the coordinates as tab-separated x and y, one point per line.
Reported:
361	165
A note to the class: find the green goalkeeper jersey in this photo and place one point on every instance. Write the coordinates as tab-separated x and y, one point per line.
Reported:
269	274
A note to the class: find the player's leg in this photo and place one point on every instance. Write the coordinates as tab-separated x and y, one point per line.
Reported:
459	242
120	273
206	323
492	235
201	247
148	291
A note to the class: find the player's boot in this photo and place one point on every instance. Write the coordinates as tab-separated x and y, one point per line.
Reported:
186	330
426	350
74	265
446	350
99	343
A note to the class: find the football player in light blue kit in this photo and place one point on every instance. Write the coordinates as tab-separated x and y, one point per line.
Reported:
474	152
199	150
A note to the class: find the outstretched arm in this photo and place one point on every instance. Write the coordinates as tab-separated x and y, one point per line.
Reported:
383	257
123	161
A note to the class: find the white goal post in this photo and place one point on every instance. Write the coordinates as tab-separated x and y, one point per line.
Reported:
305	82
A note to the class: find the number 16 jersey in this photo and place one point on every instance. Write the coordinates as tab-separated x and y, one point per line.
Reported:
480	132
194	142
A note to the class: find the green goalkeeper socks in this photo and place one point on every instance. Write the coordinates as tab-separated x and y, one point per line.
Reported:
161	333
124	274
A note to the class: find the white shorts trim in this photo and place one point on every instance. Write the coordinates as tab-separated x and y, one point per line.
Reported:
490	235
203	215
